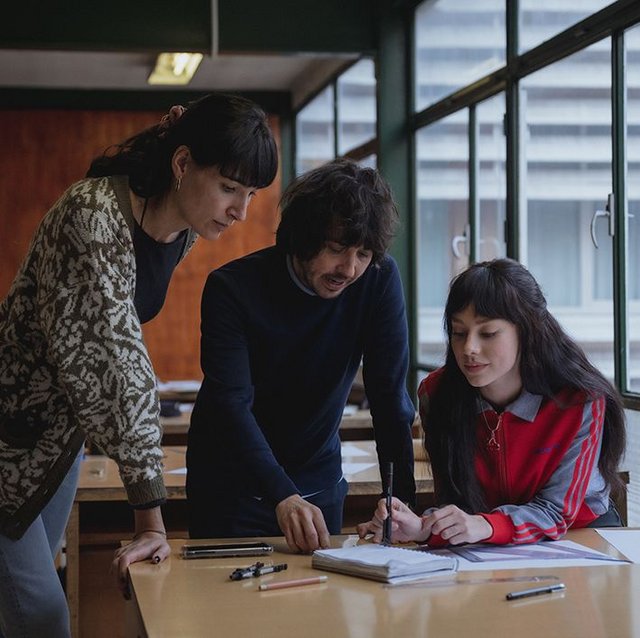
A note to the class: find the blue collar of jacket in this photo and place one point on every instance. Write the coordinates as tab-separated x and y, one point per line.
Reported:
525	407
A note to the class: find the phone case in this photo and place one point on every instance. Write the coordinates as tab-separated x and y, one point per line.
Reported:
225	550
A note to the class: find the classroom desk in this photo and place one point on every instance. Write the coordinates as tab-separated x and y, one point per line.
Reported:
189	396
100	482
175	428
195	598
356	426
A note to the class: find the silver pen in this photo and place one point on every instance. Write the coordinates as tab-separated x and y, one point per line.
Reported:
536	591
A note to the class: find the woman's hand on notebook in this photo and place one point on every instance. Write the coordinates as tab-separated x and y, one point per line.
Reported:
455	526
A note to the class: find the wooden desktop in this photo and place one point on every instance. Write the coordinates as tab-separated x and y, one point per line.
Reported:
196	598
355	426
100	484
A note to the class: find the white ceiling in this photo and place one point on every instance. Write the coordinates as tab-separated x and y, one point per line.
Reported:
300	74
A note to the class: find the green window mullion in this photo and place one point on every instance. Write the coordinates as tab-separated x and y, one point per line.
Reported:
618	134
474	200
512	133
335	118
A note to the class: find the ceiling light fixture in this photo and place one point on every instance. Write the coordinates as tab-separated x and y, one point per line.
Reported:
175	68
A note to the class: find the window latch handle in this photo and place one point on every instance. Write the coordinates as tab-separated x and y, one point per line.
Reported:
608	212
460	239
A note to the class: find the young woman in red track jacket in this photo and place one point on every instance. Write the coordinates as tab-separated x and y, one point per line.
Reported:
523	433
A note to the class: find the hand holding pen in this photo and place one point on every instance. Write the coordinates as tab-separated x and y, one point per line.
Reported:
405	525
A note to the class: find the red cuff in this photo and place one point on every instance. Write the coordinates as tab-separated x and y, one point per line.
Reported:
501	524
435	540
503	529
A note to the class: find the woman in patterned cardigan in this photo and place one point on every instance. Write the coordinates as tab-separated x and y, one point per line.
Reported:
72	359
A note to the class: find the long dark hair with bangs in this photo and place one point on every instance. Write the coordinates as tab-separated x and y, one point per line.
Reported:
549	361
338	201
223	130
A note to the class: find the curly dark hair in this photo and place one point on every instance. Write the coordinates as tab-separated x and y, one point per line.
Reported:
339	201
223	130
549	361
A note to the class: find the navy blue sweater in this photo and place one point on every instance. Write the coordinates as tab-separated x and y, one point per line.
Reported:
278	366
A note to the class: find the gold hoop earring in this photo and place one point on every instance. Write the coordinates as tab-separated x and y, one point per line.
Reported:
178	183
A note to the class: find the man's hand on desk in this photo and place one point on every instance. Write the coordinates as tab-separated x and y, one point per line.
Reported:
302	524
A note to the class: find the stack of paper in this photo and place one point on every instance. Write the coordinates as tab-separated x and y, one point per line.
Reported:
383	563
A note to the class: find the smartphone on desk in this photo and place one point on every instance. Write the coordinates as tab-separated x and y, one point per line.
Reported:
224	550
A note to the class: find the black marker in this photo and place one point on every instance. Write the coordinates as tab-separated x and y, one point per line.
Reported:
536	591
256	570
386	524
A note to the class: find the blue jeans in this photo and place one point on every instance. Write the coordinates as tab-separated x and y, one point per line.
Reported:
32	600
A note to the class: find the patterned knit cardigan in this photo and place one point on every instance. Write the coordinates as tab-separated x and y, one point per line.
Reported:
72	358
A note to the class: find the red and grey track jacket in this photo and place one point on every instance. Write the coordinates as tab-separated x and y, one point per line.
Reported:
543	478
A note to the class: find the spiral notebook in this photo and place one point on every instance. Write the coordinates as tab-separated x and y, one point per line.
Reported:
384	563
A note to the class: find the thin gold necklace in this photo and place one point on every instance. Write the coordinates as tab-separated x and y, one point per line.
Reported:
492	442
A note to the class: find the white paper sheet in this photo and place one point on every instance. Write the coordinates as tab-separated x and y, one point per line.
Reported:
348	469
523	557
626	541
348	449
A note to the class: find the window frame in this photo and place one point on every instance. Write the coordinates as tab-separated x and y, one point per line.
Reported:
611	21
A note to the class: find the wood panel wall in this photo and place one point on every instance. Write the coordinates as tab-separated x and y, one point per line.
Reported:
44	151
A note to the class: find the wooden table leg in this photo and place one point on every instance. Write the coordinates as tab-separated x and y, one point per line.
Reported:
73	570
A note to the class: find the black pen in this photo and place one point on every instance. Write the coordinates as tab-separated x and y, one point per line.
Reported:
386	524
256	570
536	591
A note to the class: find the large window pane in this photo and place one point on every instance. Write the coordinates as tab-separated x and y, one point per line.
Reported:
540	20
356	106
567	152
315	133
492	180
457	43
632	46
442	177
